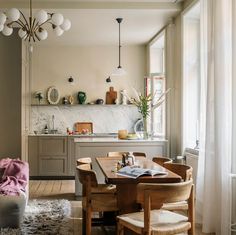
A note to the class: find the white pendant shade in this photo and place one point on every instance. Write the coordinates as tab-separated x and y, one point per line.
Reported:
13	14
57	19
3	18
7	31
66	25
41	16
58	31
119	72
43	34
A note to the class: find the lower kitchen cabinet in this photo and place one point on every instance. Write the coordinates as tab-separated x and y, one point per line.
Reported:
53	166
49	156
55	156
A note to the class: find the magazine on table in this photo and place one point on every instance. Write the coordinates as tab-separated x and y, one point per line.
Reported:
135	172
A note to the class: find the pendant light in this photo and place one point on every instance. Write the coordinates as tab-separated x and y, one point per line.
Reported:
32	28
119	71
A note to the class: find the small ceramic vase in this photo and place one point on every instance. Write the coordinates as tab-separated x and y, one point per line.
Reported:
81	97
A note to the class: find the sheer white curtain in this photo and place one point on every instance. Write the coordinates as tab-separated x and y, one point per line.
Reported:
216	116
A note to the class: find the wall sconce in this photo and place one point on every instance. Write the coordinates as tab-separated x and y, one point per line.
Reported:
72	81
108	79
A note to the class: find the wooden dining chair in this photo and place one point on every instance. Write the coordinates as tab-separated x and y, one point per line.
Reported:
153	220
96	197
84	160
186	173
161	160
120	154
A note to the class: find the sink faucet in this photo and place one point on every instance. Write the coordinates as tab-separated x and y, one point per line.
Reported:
53	131
53	119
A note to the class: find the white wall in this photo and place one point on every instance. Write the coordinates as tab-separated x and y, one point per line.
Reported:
91	65
10	94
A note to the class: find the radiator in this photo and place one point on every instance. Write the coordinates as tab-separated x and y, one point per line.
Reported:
191	159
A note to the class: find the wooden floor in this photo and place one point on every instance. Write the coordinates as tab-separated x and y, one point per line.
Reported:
64	189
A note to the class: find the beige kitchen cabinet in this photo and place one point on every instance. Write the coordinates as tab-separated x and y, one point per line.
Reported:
48	156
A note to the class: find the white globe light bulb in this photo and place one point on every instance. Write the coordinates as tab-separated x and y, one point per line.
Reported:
41	16
22	33
66	25
3	18
57	19
58	31
1	27
43	34
7	31
13	14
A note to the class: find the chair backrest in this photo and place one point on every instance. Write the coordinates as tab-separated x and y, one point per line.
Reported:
185	171
84	160
120	154
153	196
163	193
161	160
87	177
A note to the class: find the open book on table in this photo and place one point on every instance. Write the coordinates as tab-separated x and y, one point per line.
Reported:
135	172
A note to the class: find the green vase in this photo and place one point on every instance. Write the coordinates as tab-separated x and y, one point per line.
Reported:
81	97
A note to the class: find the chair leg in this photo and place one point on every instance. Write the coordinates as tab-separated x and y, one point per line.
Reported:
191	211
120	229
88	221
84	222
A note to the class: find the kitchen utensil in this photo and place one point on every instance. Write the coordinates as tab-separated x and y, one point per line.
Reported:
99	101
84	127
111	96
122	134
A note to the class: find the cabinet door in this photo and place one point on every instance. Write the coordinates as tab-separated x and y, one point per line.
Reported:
52	166
33	155
53	146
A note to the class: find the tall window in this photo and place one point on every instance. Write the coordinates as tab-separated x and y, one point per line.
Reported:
191	77
155	84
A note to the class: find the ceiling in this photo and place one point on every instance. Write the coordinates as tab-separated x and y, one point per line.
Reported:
93	23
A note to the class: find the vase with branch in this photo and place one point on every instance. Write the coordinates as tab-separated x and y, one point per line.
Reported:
39	96
145	105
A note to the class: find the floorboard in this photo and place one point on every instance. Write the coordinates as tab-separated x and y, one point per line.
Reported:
64	189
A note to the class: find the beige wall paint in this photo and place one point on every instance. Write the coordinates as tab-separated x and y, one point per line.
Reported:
10	95
52	65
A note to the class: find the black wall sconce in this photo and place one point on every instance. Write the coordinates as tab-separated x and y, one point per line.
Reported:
108	79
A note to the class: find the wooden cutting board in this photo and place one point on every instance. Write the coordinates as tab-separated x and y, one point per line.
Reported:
79	126
111	96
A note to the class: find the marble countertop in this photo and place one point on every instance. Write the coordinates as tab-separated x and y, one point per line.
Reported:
116	140
100	137
95	135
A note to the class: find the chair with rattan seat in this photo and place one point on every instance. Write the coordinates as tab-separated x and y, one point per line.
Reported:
120	154
153	220
96	197
161	160
186	173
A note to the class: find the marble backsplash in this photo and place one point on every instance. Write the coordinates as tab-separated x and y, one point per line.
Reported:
105	119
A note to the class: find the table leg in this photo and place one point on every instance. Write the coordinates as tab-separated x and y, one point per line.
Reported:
126	200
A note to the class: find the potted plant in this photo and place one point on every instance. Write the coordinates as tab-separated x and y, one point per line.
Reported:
144	105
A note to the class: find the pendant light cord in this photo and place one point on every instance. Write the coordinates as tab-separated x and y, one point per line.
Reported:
119	47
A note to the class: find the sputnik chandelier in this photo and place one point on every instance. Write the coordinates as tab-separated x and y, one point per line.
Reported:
31	29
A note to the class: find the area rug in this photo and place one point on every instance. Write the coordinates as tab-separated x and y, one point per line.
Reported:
44	217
